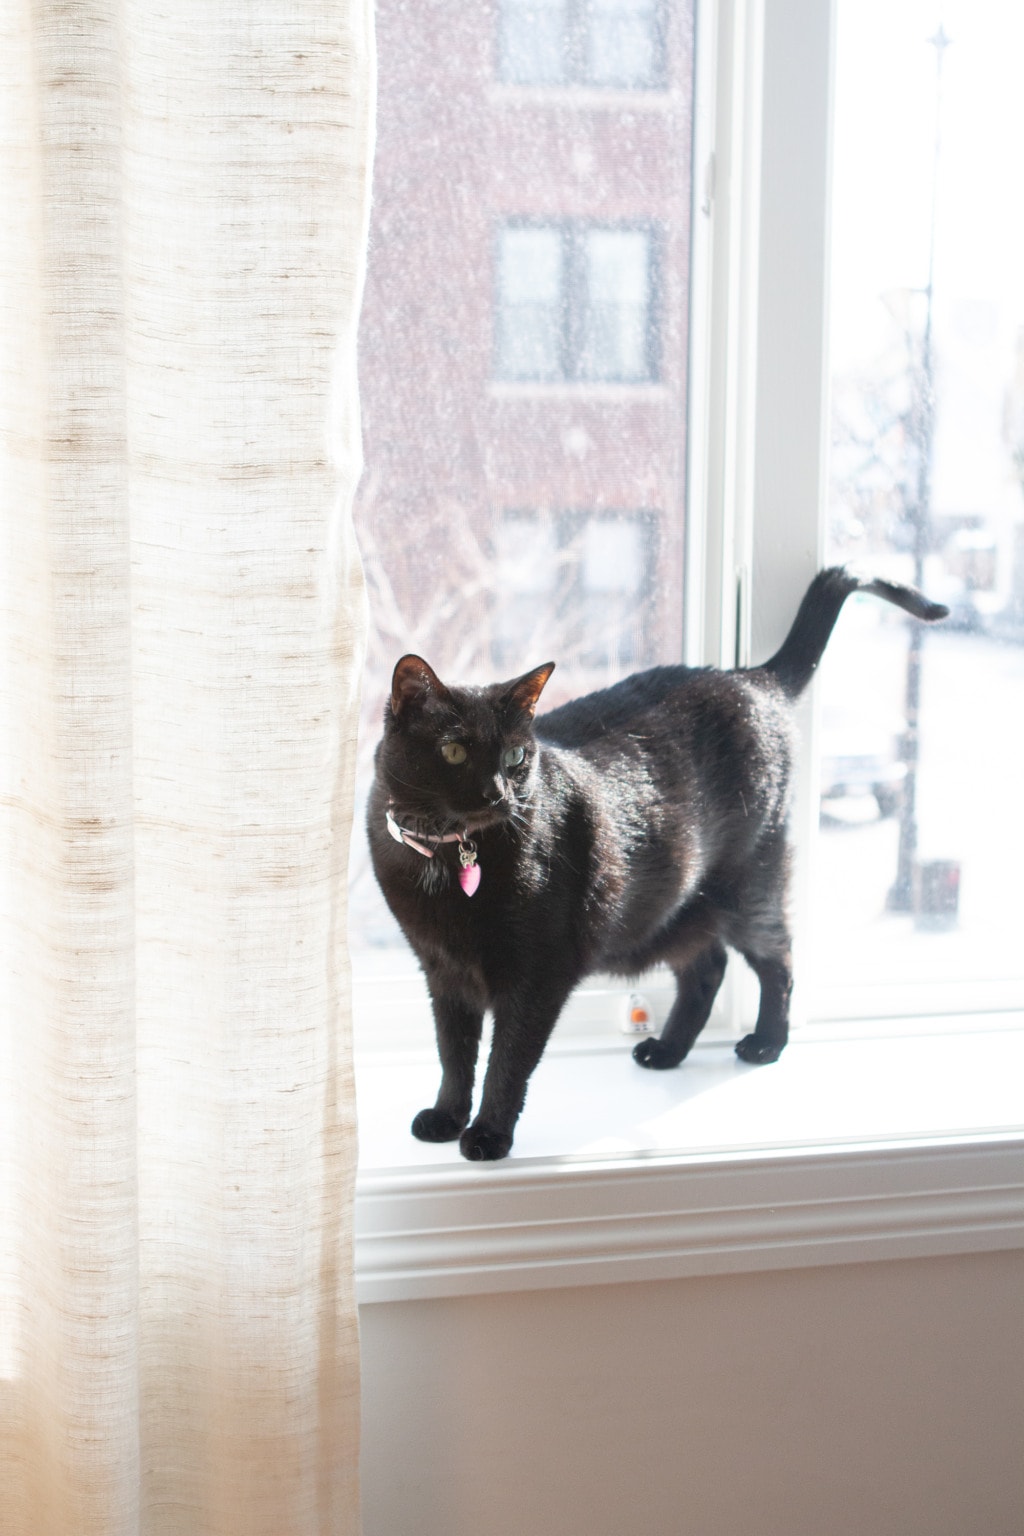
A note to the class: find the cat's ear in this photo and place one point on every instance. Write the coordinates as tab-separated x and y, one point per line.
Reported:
526	690
414	682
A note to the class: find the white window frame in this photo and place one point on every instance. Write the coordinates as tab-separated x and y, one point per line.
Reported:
757	400
758	381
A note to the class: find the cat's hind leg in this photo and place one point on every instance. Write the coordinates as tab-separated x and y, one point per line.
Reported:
760	931
771	1032
698	985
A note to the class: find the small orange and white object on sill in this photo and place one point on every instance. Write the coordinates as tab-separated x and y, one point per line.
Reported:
638	1019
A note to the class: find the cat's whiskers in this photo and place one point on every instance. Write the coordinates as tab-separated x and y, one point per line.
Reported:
393	778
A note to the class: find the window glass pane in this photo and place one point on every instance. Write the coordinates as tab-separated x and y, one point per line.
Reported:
527	573
531	266
616	570
529	315
526	557
612	558
494	252
533	41
918	863
614	344
621	42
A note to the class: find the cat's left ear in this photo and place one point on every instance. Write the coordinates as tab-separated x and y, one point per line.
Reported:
526	690
413	682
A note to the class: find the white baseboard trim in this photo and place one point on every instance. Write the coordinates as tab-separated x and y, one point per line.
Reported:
424	1233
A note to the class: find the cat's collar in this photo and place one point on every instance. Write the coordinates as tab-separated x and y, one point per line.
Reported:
469	874
420	841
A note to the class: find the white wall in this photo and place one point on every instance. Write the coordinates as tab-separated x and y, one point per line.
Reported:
871	1400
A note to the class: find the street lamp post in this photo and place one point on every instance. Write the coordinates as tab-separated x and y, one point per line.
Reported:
922	432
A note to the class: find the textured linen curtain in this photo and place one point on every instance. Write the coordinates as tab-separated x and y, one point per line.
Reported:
182	246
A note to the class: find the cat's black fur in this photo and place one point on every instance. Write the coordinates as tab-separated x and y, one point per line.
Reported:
645	824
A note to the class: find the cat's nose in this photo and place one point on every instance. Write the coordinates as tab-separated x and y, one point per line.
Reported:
493	791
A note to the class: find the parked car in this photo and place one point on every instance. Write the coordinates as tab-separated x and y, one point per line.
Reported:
861	757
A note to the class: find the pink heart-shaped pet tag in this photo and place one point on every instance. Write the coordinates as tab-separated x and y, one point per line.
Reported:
469	878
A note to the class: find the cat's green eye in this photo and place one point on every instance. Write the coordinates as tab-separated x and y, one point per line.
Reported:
453	752
513	756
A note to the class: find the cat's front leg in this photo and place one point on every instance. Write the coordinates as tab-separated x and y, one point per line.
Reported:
458	1025
522	1028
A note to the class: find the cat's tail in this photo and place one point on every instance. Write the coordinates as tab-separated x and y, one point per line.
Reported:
796	661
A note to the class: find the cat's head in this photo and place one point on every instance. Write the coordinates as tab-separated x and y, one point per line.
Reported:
455	759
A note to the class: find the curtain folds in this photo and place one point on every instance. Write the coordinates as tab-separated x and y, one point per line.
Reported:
182	252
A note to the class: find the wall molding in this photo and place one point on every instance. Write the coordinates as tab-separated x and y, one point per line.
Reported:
459	1231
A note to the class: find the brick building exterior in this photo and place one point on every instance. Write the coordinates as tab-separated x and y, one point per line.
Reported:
524	337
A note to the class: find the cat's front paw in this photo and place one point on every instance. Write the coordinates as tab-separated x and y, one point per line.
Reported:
656	1055
759	1052
436	1125
483	1146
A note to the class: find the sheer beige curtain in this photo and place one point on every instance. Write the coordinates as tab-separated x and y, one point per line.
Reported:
182	244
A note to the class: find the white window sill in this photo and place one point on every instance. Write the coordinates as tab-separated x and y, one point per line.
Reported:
909	1144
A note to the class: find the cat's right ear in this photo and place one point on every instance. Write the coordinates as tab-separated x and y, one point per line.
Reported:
414	682
526	690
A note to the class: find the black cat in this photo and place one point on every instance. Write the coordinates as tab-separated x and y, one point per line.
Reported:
645	823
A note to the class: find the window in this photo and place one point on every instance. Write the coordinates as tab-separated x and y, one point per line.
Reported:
610	43
533	41
922	819
531	283
616	306
755	335
527	575
612	579
575	304
527	271
622	43
596	573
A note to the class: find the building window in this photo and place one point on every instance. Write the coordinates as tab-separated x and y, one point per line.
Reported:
527	563
613	584
615	305
578	585
533	41
614	44
574	303
622	43
531	285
